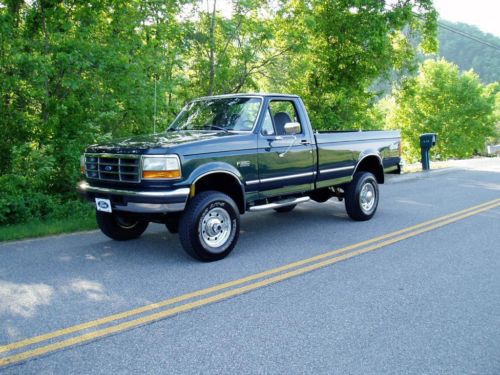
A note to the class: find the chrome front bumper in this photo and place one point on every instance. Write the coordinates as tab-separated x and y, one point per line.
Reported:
171	201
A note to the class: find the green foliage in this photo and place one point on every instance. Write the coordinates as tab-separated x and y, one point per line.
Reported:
469	54
17	204
442	100
345	46
20	202
495	139
228	55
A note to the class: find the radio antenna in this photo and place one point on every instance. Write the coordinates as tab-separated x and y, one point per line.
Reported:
154	114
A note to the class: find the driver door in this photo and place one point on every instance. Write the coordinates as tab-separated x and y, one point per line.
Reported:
285	161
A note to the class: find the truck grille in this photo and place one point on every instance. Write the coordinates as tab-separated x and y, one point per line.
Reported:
113	167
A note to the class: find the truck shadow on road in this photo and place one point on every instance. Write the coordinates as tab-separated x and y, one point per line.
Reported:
259	233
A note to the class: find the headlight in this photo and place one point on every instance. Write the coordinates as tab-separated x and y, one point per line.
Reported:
82	164
161	167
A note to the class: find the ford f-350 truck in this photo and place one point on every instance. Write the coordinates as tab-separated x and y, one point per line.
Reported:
226	155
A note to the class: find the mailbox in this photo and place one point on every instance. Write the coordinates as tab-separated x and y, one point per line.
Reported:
427	140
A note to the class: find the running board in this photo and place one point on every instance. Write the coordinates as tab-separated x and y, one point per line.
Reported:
279	204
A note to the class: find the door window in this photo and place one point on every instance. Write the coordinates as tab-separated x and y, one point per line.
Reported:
282	112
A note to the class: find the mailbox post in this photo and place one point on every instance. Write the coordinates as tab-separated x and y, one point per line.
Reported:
427	140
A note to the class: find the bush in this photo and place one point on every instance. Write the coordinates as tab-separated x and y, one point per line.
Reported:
456	106
20	202
71	208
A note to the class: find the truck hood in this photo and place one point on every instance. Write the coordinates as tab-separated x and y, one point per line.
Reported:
139	144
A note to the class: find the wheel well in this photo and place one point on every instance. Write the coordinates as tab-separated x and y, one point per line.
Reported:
225	183
373	165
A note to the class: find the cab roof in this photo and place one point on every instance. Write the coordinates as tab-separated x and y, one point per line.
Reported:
246	95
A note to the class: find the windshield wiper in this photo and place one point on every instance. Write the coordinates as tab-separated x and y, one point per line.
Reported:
209	127
215	127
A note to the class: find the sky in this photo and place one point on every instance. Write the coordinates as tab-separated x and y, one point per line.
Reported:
484	14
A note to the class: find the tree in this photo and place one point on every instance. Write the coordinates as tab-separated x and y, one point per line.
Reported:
72	72
229	54
456	106
344	47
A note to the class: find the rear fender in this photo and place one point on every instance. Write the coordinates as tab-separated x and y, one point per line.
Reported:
371	161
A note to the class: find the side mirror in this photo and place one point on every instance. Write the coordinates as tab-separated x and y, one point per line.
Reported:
292	128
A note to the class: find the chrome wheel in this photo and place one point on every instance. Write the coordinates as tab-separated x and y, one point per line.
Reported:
215	229
367	197
361	196
209	227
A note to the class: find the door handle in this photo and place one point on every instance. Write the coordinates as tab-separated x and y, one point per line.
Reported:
305	142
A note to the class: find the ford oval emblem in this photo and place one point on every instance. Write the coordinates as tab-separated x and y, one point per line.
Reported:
108	168
103	205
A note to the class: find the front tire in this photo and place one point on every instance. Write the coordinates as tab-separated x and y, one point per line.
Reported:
118	227
210	226
361	196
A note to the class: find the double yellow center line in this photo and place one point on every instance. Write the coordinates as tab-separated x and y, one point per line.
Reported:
123	321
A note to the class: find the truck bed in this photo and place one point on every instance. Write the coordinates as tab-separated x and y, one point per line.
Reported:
338	152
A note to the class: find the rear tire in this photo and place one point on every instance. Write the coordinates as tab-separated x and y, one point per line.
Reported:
118	227
210	226
361	196
285	209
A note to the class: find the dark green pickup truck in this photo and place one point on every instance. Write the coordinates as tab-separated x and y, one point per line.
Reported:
226	155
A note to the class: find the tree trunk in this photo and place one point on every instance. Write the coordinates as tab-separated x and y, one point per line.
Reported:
45	104
211	77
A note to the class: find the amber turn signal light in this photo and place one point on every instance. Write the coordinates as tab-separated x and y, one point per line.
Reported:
161	174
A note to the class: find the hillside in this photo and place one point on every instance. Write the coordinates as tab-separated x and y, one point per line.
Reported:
467	53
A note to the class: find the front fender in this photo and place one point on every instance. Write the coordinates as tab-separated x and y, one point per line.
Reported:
214	167
219	168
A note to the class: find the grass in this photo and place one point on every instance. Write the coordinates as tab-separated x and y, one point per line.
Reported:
41	228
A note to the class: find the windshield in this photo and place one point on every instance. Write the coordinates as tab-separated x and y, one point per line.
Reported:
225	114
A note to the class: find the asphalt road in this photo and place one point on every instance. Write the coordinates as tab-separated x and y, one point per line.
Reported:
427	303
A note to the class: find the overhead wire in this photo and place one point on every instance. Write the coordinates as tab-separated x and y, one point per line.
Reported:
456	31
467	35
